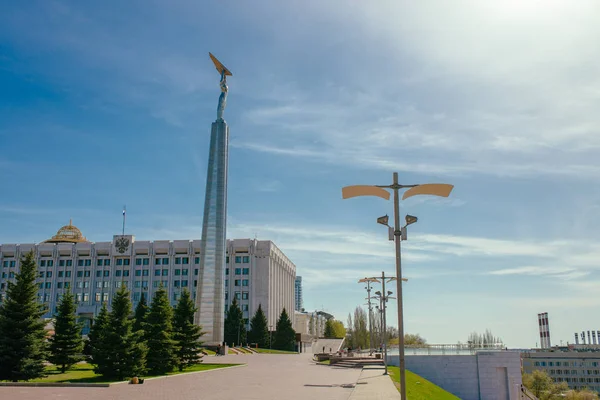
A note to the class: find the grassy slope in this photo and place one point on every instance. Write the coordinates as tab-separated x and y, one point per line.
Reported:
424	390
84	373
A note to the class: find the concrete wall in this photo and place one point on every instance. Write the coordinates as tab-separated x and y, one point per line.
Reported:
493	375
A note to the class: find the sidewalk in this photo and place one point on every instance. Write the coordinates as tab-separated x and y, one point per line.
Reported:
373	385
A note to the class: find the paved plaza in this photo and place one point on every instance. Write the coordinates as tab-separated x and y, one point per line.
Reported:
266	376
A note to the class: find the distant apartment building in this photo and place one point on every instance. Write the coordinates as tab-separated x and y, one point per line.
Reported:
579	369
298	294
257	272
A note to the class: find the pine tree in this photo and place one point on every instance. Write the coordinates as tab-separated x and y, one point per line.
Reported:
186	333
141	314
285	335
235	329
23	346
125	355
97	340
259	330
66	345
159	335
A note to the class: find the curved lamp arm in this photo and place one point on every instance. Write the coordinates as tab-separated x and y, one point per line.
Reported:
364	190
432	189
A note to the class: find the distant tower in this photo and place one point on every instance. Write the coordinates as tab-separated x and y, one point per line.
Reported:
544	330
594	337
576	338
589	338
583	337
298	293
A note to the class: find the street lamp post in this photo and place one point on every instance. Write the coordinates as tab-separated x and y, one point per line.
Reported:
432	189
368	281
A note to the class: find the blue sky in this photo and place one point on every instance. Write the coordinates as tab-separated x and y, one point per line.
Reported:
111	103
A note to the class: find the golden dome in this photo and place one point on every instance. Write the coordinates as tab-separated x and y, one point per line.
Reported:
67	234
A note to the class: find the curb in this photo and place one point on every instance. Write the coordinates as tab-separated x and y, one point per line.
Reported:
186	373
55	384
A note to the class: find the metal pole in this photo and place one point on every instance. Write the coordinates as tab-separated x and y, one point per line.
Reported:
397	238
383	297
370	318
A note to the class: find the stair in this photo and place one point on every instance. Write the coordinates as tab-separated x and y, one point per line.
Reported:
358	363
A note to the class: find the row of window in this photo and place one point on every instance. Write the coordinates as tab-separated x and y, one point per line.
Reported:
574	372
237	282
124	261
566	363
575	380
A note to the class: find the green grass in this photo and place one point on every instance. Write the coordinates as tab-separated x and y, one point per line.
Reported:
273	351
84	373
209	352
243	350
418	388
326	362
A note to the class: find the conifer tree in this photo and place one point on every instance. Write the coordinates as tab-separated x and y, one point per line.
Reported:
329	329
23	346
97	340
285	335
66	345
158	334
259	330
186	333
140	315
125	355
235	329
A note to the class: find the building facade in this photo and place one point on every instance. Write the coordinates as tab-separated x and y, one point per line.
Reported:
299	305
579	369
256	272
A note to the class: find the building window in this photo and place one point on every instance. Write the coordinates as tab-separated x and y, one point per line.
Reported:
80	263
50	263
157	261
105	297
13	264
125	272
119	261
61	263
245	271
226	296
138	261
245	282
86	274
67	285
136	296
69	263
60	274
184	272
244	307
227	259
42	263
88	263
177	260
78	298
176	283
98	274
86	297
238	259
165	272
155	283
118	272
184	283
59	285
68	274
86	284
226	282
196	260
244	295
138	272
177	272
238	271
146	261
137	284
165	261
236	282
157	272
106	262
11	274
237	295
98	297
98	284
98	263
165	283
106	284
195	284
185	260
126	261
145	272
144	284
107	273
226	271
48	285
41	274
246	259
49	274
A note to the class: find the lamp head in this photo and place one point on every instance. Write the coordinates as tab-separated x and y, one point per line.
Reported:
383	220
378	293
389	292
410	219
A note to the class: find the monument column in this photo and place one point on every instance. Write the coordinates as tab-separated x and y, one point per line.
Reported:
210	292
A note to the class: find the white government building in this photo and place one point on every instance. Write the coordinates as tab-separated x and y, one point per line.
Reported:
257	272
